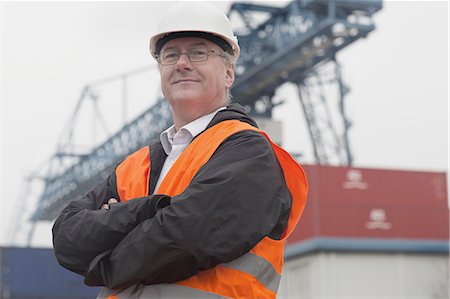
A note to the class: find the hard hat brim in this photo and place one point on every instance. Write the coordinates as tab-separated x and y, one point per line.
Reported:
222	43
155	44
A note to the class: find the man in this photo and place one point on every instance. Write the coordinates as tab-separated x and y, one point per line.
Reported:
203	212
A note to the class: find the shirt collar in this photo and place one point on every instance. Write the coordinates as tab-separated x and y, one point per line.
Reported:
193	129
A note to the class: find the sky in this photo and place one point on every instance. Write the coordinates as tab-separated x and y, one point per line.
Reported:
398	80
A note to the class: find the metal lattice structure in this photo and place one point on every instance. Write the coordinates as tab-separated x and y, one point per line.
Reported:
292	41
278	45
91	169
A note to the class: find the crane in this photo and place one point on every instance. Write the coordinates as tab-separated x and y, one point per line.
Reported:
297	44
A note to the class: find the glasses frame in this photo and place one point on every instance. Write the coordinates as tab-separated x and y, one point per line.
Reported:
188	54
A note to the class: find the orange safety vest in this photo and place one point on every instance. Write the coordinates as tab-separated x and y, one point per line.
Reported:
257	273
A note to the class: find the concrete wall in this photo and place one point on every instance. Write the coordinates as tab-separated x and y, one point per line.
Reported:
366	275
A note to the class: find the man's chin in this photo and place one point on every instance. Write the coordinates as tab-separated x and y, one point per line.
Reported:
186	96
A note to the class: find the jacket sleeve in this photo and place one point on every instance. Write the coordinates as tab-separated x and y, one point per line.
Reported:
236	199
83	231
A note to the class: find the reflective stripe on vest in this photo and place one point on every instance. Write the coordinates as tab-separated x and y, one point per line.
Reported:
250	263
163	290
255	274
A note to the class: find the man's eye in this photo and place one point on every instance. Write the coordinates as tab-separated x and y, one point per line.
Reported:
199	52
170	55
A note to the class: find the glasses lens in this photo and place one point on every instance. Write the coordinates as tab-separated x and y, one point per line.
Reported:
169	57
195	55
198	55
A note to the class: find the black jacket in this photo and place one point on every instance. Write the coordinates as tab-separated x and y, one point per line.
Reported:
237	198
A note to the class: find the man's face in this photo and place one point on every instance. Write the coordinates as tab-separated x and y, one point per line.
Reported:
198	85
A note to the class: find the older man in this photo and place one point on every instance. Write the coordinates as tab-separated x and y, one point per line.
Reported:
204	211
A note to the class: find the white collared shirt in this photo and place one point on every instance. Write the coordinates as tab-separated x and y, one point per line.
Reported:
174	143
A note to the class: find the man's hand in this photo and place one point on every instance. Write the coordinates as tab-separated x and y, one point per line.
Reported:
110	202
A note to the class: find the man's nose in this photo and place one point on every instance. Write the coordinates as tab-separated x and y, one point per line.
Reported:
183	61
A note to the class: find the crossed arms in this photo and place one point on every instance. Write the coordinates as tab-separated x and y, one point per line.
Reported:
237	198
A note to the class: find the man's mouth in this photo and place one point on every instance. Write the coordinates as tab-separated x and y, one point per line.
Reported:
184	81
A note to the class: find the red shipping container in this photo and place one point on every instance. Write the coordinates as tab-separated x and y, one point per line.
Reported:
374	203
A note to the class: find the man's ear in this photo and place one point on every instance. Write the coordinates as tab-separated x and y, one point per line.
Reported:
229	76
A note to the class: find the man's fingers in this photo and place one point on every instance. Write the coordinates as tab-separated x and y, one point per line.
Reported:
105	206
112	200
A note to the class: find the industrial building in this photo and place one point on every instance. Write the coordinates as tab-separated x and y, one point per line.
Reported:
370	233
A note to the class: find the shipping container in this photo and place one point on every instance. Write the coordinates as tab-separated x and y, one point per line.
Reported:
374	209
31	273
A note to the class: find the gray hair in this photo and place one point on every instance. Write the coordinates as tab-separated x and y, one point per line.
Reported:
229	60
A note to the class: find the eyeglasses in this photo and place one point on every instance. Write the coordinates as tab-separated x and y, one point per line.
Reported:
194	55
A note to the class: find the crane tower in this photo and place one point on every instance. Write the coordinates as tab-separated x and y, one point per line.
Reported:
296	44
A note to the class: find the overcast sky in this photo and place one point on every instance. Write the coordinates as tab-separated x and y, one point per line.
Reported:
398	79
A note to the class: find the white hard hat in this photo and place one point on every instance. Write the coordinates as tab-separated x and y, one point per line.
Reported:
195	19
